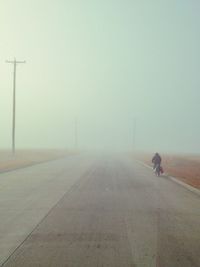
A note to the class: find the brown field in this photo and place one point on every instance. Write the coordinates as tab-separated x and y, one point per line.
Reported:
184	167
23	158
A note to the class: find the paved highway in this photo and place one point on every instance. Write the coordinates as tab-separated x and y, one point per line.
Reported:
96	211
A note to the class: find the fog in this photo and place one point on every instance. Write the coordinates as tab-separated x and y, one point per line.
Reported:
125	72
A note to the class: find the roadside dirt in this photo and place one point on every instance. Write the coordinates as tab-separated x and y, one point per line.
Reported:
23	158
184	167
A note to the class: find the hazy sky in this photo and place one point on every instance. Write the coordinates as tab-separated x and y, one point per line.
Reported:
105	62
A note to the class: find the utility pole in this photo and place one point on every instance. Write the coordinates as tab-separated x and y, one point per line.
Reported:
14	62
76	134
134	134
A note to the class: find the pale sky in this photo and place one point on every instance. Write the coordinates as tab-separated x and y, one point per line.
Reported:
105	62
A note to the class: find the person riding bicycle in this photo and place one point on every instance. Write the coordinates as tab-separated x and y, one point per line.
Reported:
156	161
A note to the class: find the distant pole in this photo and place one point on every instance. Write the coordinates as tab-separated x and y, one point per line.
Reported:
76	134
14	62
134	134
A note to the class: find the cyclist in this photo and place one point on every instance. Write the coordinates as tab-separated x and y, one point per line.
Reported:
156	160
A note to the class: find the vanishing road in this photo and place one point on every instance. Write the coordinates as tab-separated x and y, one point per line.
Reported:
96	211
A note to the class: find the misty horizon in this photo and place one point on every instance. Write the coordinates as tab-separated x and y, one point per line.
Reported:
127	72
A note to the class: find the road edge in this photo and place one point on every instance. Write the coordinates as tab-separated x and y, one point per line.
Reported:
32	164
176	180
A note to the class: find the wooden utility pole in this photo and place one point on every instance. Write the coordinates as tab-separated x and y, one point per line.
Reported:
14	62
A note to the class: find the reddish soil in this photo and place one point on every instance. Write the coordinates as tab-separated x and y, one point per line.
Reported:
23	158
184	167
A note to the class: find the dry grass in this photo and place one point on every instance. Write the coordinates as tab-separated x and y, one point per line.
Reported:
184	167
23	158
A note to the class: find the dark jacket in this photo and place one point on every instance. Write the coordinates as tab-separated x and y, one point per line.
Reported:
156	159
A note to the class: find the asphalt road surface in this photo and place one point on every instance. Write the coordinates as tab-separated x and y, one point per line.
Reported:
96	211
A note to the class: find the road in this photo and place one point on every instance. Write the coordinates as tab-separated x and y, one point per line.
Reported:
96	211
